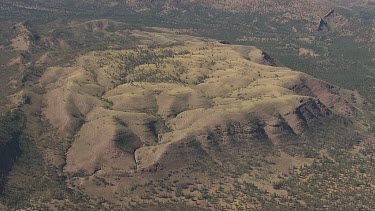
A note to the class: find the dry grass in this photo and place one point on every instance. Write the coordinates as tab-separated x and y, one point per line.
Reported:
179	92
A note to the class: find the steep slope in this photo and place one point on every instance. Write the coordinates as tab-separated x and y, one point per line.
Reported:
112	116
177	107
278	27
11	131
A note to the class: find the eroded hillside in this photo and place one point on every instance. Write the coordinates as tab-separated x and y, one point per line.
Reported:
114	116
164	119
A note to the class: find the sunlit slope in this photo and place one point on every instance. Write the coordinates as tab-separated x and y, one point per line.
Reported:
174	100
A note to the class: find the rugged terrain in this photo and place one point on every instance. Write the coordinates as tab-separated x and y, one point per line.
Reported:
103	114
156	116
346	42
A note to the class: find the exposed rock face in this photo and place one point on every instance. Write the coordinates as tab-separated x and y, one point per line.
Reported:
185	101
331	13
323	25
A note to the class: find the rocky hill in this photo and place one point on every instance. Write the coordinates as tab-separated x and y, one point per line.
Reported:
157	116
343	41
172	107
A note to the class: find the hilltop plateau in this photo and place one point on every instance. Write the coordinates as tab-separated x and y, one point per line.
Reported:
187	105
155	116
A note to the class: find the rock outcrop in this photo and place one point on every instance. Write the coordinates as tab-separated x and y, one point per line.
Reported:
185	101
